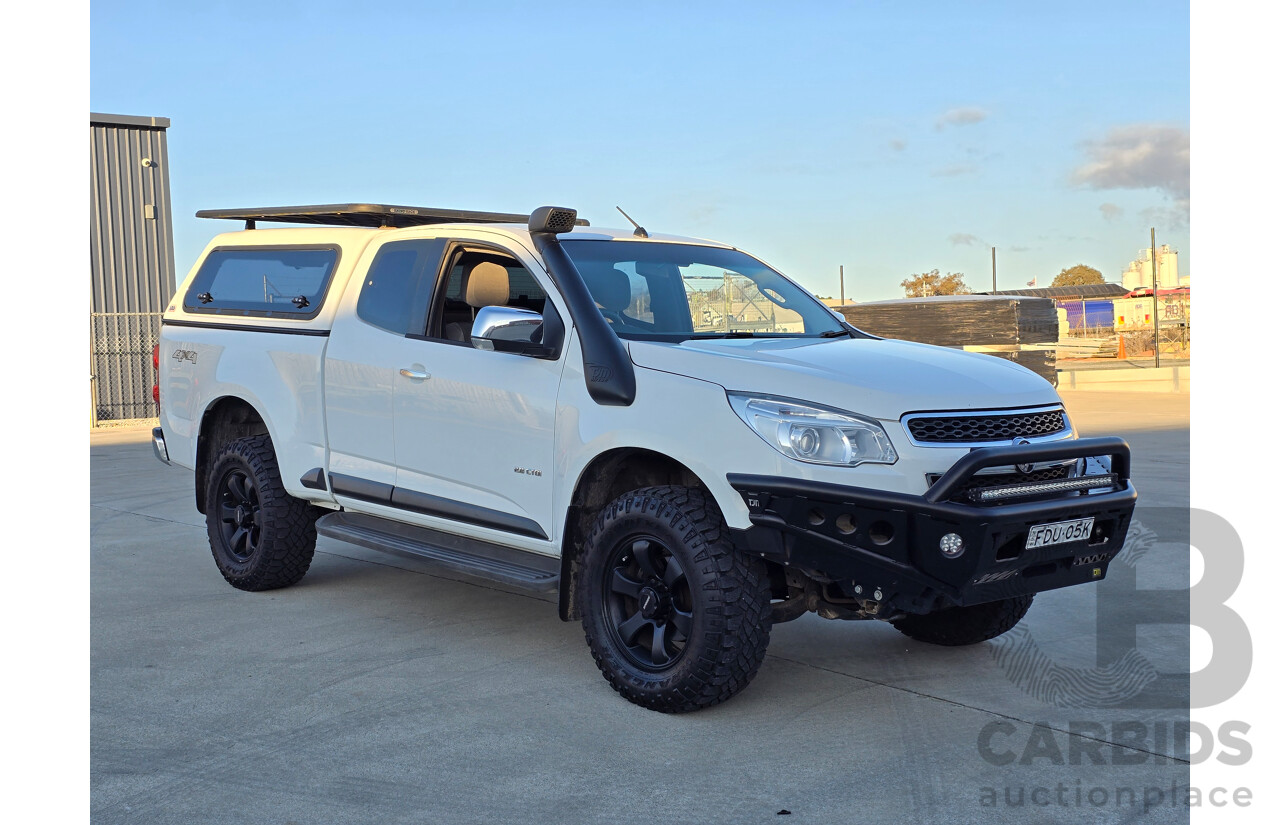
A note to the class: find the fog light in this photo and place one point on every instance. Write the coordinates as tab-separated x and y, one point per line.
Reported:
951	545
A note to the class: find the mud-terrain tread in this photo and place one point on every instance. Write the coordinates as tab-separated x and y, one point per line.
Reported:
733	644
288	530
959	626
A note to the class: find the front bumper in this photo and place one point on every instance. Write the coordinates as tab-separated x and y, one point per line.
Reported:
885	546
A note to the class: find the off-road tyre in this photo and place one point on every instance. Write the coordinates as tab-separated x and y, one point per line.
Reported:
262	538
959	626
717	613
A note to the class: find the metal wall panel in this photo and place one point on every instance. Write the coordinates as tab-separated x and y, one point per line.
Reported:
131	223
130	260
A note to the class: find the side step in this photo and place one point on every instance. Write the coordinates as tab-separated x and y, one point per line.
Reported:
478	559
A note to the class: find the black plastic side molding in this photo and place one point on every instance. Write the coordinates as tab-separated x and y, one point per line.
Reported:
388	495
610	375
314	479
468	513
361	488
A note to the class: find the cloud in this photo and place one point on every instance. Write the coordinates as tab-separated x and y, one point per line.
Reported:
1019	249
698	213
962	116
1140	156
1165	217
965	239
1110	211
955	170
897	145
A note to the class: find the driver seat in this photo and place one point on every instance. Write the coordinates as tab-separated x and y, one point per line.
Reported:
484	284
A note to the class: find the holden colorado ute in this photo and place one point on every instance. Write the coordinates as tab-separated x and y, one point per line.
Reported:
668	436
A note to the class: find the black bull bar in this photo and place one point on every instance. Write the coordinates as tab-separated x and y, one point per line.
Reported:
878	542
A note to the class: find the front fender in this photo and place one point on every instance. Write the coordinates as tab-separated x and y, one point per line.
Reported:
701	441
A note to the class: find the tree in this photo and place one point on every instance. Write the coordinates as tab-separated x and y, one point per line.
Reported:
1078	275
932	283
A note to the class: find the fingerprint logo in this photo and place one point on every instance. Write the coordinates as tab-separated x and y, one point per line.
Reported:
1027	666
1038	675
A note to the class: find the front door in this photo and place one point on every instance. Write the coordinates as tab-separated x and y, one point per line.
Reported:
474	429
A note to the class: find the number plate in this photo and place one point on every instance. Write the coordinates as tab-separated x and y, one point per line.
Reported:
1060	532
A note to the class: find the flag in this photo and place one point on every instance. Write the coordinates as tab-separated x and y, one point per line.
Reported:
1032	282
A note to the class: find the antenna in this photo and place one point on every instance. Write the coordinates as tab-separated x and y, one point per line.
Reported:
639	233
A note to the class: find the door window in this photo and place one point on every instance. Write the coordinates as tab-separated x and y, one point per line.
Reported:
453	315
398	284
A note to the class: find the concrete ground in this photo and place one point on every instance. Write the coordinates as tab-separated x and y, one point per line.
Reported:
375	691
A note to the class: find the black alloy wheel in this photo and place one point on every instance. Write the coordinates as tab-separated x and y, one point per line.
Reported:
240	513
648	608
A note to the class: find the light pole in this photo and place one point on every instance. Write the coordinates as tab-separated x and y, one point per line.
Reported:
1155	295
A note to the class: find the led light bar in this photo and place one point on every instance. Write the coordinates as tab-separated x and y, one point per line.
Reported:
1041	488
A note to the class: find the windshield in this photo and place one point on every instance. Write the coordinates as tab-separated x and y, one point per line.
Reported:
670	291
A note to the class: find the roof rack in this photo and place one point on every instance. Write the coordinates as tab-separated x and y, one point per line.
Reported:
364	214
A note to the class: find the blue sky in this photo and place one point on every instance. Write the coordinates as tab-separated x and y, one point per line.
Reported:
890	138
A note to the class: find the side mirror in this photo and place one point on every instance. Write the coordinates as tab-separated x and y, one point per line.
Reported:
509	329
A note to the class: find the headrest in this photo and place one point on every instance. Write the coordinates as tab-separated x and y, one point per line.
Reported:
485	284
611	289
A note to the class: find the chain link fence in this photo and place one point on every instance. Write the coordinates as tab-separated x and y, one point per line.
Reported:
121	374
1107	342
1175	340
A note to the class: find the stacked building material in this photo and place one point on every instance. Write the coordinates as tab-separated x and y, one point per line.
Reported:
1020	329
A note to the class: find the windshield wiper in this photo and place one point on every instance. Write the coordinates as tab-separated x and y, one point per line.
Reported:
835	333
734	334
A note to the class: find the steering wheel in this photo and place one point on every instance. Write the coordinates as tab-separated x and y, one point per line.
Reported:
614	317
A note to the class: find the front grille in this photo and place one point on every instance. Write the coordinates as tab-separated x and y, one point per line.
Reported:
1000	479
959	429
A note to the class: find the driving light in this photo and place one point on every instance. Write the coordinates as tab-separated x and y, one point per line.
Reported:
814	434
951	545
1070	485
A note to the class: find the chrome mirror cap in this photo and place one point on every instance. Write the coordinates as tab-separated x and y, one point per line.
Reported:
505	329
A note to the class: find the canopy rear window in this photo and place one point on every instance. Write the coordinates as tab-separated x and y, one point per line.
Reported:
265	281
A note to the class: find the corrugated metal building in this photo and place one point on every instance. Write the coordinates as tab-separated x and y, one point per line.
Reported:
130	261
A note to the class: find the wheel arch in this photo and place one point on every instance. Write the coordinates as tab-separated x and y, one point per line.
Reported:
226	419
606	477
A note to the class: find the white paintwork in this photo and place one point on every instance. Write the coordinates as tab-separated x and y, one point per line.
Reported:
281	376
340	402
876	378
463	433
360	373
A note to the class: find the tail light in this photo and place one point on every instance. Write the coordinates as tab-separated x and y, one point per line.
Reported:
155	363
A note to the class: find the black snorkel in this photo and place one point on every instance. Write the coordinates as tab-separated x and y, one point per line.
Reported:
610	375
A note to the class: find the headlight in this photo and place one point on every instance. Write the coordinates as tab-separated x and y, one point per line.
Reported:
813	434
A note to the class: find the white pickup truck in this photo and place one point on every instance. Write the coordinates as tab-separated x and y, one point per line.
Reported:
676	440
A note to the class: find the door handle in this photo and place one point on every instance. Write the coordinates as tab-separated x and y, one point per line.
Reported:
416	374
